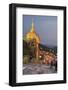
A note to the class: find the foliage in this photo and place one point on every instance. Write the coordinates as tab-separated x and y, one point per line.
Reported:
26	59
25	48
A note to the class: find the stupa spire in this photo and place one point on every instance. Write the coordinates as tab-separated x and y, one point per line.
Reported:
32	27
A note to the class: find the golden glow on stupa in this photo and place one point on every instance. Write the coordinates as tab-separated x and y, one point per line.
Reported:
32	34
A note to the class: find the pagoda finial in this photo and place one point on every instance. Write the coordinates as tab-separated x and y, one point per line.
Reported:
32	28
32	22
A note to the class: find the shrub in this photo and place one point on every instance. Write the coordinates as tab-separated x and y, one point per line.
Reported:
25	59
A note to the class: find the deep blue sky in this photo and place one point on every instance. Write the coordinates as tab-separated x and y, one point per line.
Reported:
45	27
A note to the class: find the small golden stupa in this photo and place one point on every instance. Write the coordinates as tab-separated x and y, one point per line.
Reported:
32	34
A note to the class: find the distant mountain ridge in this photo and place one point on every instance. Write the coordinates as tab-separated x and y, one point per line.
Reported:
41	46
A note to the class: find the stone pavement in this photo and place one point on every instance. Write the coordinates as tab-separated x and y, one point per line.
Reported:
38	69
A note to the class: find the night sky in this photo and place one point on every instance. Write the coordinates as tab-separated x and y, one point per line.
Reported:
45	27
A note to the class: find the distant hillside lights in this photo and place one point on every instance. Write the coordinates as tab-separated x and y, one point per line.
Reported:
47	57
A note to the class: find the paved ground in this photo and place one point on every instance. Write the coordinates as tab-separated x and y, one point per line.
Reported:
38	69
